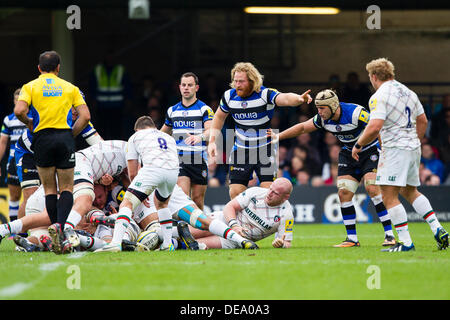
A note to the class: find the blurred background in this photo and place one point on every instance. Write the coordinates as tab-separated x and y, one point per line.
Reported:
156	41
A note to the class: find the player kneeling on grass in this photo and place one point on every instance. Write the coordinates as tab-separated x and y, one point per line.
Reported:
255	214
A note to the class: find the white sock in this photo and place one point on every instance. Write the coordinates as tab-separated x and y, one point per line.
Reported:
220	229
73	220
165	220
423	207
91	243
400	221
13	208
12	227
121	225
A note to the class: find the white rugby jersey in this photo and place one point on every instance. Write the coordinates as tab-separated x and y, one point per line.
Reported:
262	220
156	149
106	157
399	107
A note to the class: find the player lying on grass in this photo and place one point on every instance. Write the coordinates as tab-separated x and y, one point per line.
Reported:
347	121
183	208
255	214
91	236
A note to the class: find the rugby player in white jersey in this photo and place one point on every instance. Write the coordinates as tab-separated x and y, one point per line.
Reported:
255	214
36	222
157	151
97	163
397	115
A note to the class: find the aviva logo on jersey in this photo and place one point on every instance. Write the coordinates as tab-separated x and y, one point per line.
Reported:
51	90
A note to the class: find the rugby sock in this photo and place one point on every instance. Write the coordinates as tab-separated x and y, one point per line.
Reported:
383	215
349	217
423	207
400	221
10	228
121	225
91	243
50	204
63	206
73	220
165	220
13	209
220	229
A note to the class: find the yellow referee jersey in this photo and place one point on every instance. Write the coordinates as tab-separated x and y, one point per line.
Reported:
50	99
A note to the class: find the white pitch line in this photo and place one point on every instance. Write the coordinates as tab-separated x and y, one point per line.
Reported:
20	287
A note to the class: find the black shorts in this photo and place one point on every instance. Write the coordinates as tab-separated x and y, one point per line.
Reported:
243	162
54	148
198	173
12	177
27	171
368	162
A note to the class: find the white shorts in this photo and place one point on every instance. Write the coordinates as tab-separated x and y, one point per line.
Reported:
148	179
36	202
178	200
398	167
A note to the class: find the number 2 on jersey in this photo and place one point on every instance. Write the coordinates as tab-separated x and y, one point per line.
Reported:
408	112
162	143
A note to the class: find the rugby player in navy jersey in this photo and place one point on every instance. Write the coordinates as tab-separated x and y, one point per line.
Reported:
251	106
189	121
347	122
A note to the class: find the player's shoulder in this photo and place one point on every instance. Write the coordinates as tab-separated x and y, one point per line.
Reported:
10	117
254	191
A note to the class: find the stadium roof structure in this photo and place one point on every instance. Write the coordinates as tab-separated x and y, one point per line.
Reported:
229	4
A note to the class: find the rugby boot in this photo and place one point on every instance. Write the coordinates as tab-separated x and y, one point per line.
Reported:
441	237
186	236
347	243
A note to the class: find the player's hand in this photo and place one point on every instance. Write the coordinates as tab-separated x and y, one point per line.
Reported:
146	202
274	136
306	97
278	242
355	152
106	179
192	139
212	151
240	230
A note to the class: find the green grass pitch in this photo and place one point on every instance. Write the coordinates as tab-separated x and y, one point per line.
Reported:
311	269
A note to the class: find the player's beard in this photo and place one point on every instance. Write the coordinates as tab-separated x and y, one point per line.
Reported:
244	92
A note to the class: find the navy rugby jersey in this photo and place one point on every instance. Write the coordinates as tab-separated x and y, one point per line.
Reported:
349	127
251	115
189	119
13	128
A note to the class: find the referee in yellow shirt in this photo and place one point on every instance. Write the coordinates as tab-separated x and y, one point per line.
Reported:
50	100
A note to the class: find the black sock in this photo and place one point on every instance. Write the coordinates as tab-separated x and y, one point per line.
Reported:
64	206
50	205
